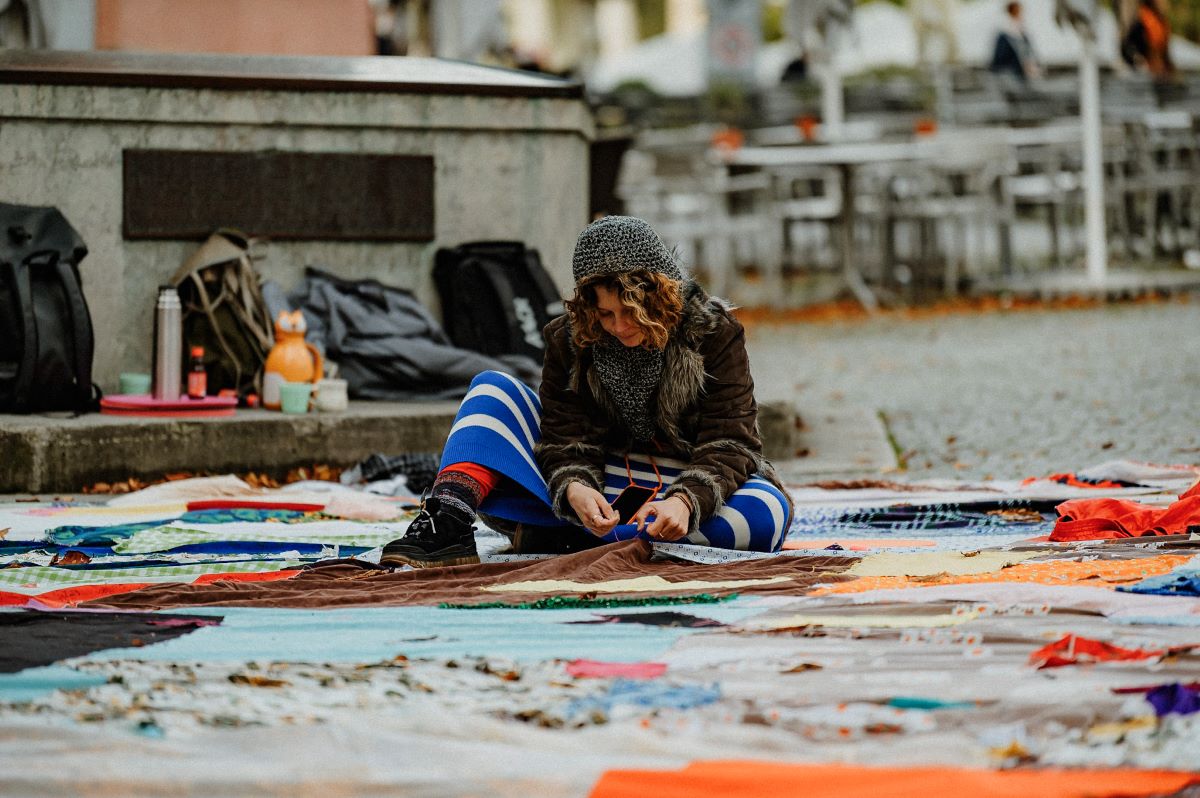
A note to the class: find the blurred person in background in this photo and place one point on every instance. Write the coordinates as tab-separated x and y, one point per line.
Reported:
1146	44
1013	54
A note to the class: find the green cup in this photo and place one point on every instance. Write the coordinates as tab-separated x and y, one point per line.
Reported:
293	397
134	384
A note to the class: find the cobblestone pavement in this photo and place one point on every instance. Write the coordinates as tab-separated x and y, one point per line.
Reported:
1008	394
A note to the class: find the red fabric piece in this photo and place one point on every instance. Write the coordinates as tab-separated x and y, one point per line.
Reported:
1075	650
68	596
1134	690
1070	479
267	576
1194	490
591	669
1108	519
252	504
72	596
486	477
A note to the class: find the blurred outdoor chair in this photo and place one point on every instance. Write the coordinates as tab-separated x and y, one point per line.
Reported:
721	220
1048	182
1164	156
750	232
1127	97
807	202
973	98
940	215
669	192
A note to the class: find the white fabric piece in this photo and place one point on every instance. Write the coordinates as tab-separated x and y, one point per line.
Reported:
711	556
396	486
29	522
226	486
1134	471
1040	490
1106	601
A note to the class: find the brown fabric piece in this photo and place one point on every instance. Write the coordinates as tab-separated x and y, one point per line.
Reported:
342	584
705	412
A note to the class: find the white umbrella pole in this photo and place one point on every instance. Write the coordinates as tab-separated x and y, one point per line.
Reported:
1093	163
832	109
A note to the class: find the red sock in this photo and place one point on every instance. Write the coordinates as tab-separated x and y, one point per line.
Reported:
461	487
486	477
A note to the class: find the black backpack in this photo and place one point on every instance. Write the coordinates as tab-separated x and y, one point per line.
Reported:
46	342
496	297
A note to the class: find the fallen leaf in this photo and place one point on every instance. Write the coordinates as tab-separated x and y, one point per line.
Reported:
257	681
804	666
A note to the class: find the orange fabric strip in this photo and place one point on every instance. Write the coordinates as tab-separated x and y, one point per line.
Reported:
1096	573
268	576
777	780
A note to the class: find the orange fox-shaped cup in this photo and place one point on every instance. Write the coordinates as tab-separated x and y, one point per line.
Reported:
292	359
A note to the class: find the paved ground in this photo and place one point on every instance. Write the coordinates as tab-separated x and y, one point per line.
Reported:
1007	394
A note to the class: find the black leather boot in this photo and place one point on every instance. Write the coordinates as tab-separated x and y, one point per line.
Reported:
435	538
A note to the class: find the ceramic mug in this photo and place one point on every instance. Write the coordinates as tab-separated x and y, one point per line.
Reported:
332	396
293	397
134	384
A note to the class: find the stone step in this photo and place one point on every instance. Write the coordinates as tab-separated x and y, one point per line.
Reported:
45	453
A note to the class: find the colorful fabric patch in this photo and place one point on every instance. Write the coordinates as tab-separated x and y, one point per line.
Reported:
1075	650
591	669
1176	698
763	779
637	584
1097	573
576	603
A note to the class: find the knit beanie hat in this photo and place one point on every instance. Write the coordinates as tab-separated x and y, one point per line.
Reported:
618	244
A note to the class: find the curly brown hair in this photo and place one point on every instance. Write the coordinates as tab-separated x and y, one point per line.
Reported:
656	301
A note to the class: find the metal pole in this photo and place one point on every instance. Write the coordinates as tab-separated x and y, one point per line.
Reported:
832	109
1093	163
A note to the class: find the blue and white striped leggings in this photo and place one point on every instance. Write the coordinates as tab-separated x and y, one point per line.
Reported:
497	425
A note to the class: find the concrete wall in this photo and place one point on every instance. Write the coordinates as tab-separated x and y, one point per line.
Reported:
505	167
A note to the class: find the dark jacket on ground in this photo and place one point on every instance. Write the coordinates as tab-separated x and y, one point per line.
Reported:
705	413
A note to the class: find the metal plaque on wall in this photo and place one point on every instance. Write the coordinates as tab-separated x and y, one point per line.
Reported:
186	194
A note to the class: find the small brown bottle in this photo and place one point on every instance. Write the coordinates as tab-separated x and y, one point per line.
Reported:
197	380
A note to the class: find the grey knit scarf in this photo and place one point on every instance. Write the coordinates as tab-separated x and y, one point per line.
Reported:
631	375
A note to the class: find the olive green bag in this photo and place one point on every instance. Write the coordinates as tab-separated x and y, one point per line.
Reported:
224	311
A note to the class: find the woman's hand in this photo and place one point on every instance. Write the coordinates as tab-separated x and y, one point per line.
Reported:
594	511
671	516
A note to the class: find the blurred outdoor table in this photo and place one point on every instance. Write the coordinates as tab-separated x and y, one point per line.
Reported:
1045	135
851	131
846	157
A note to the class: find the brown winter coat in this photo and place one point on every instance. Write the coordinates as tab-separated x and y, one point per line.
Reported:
704	414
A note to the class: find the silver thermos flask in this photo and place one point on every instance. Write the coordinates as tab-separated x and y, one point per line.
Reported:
168	345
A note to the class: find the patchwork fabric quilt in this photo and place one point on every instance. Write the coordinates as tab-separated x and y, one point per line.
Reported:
934	631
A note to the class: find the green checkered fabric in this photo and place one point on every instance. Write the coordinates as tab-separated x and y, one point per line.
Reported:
41	578
343	533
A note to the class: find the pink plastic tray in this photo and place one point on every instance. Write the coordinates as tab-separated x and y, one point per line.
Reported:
145	405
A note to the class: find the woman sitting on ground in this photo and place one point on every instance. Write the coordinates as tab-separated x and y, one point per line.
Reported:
646	382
